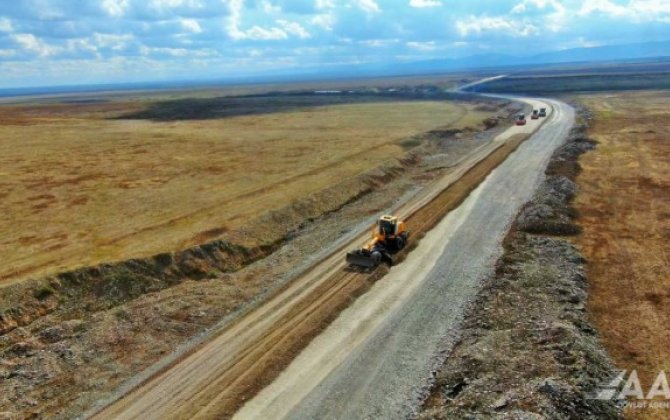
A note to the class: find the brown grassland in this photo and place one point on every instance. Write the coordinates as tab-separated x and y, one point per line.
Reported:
624	206
78	188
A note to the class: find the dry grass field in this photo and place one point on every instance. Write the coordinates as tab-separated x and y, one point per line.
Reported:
624	207
78	187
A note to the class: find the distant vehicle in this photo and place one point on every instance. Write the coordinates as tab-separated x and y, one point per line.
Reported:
543	112
536	115
521	120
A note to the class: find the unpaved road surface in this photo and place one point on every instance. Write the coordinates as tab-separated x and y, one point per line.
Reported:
374	360
477	83
216	378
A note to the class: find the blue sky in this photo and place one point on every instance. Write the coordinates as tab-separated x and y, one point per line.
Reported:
50	42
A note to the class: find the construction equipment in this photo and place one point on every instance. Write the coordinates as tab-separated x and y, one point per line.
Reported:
535	115
521	119
389	237
543	112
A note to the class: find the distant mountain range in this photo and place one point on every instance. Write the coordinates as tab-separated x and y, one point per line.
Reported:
647	51
626	52
607	53
658	51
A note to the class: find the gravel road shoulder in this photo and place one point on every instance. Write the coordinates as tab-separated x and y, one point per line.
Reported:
526	349
375	360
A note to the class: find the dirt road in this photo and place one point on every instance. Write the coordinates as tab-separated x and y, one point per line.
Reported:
465	87
217	378
373	361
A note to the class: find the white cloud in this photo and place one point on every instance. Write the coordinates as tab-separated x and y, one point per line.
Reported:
254	33
580	42
422	46
555	17
378	43
425	3
524	19
270	8
324	20
324	4
603	6
115	8
368	6
481	24
519	8
635	11
233	25
82	45
527	5
190	25
172	4
7	53
6	25
31	44
259	33
114	42
294	28
176	52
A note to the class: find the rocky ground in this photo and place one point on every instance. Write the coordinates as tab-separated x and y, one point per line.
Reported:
71	340
527	350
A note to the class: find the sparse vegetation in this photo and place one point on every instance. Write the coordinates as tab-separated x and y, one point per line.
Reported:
44	292
411	143
560	84
226	107
80	187
623	210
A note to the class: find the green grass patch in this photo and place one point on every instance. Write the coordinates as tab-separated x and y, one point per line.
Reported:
44	292
410	143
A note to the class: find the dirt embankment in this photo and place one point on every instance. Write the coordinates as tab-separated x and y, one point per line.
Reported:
527	349
70	339
109	285
91	289
46	323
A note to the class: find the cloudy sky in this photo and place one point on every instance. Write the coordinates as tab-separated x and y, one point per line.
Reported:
51	42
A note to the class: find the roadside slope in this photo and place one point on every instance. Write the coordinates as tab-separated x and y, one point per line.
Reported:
526	347
214	379
373	361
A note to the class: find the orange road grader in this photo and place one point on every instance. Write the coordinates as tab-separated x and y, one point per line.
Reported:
389	236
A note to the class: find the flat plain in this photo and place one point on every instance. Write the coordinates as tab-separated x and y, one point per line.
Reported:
79	186
275	180
623	205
